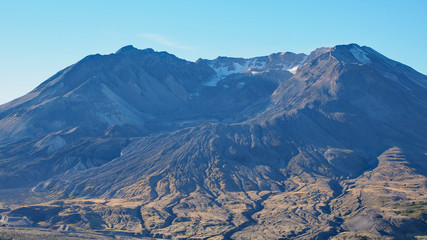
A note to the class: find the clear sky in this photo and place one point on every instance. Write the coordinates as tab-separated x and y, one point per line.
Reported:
39	38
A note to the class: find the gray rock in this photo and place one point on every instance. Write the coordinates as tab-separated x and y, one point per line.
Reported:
281	146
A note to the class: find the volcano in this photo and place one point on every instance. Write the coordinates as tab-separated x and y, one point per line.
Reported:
330	145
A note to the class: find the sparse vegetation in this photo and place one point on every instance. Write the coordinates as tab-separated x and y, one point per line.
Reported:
38	234
417	210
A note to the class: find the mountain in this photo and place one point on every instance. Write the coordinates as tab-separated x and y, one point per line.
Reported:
286	146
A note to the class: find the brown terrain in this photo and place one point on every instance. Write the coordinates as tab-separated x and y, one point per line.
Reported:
143	145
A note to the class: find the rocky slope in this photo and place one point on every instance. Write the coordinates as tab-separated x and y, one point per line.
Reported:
287	146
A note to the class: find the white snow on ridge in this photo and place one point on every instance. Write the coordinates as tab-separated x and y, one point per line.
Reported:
253	66
360	55
224	71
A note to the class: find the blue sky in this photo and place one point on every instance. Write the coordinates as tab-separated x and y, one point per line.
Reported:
39	38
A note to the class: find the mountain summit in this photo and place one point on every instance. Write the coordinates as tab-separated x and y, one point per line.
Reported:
287	146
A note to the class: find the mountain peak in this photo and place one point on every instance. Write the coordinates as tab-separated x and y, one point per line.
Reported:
348	52
348	46
131	49
127	48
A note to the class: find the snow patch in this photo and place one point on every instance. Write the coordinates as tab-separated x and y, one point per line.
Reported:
293	70
225	70
254	66
360	55
71	130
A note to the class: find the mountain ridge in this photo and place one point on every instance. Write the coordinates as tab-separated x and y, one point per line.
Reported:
280	146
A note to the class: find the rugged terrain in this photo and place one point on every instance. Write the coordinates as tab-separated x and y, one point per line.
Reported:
142	144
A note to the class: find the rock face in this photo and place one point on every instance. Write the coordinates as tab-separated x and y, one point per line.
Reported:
287	146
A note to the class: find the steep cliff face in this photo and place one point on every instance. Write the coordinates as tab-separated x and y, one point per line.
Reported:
282	146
